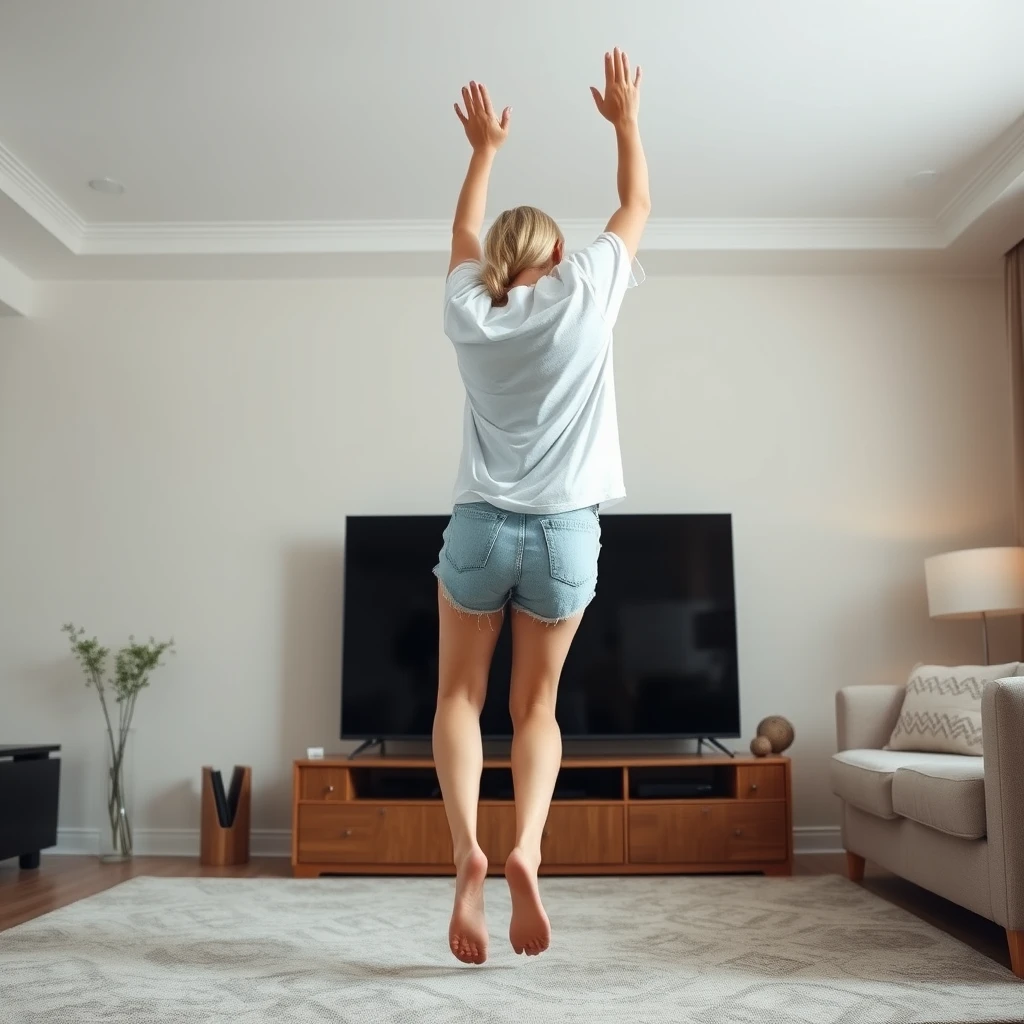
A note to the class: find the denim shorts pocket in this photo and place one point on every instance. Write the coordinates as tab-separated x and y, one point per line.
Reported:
573	548
470	536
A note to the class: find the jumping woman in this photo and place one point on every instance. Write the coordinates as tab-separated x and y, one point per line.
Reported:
532	330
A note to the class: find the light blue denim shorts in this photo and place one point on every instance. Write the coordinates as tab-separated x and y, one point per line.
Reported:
545	565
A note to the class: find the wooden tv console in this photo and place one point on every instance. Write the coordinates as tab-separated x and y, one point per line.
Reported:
610	815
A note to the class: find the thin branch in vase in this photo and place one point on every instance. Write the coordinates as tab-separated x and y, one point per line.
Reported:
132	667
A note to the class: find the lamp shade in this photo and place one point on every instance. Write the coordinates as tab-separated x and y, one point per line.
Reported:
981	581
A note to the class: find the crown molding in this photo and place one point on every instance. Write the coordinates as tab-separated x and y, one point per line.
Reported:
812	234
265	237
17	289
39	201
666	234
1004	167
683	235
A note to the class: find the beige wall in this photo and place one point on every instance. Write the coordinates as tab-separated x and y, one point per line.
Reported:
179	458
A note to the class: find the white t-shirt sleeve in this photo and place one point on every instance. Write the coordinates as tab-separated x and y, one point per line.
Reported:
604	266
463	295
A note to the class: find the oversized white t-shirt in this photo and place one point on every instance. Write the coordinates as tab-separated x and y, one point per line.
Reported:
540	433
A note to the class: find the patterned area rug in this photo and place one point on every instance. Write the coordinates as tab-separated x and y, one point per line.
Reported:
699	950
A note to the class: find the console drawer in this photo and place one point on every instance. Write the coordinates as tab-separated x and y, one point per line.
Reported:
356	833
754	831
732	832
583	835
572	834
683	833
323	783
761	782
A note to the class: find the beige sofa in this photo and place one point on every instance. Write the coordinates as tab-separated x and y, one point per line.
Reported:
951	823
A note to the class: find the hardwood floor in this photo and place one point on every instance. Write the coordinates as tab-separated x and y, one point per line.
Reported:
62	880
65	879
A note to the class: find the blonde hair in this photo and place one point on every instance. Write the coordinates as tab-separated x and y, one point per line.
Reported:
519	239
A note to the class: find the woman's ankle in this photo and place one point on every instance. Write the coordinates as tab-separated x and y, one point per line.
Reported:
529	853
467	851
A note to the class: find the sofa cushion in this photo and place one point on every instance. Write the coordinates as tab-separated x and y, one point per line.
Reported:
944	796
941	711
864	777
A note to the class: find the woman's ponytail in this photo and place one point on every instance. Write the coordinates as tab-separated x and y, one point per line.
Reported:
496	280
518	240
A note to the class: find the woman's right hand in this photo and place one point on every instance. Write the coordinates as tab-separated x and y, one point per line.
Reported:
484	129
620	103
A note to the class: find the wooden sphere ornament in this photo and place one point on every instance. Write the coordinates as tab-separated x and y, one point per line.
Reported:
760	746
778	731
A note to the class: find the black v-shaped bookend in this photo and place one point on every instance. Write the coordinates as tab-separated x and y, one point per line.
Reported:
224	827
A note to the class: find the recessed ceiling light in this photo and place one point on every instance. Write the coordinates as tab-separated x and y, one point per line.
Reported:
922	180
106	185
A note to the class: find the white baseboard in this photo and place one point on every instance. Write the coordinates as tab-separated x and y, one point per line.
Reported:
172	842
277	842
76	840
817	839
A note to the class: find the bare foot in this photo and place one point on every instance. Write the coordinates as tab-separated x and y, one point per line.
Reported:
530	930
467	933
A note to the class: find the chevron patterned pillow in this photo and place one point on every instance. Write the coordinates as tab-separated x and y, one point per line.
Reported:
942	708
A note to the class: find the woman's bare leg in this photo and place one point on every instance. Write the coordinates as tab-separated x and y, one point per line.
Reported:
538	654
464	660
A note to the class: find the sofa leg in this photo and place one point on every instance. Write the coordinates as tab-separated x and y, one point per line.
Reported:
1016	943
854	867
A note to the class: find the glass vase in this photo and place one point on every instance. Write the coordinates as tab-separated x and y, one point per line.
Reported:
116	842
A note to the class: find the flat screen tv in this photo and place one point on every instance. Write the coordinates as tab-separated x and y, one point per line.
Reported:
655	655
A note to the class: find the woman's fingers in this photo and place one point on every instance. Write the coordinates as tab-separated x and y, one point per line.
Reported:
478	100
625	67
467	101
505	115
639	75
609	70
462	117
486	98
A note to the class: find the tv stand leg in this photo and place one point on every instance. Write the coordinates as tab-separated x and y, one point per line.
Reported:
366	745
714	744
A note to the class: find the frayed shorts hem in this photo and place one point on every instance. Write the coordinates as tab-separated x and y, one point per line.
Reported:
547	621
561	618
462	608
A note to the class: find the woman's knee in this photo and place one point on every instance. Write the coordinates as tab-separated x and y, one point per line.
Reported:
524	707
463	691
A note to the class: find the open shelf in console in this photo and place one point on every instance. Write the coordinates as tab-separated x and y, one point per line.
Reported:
384	783
378	782
573	783
680	782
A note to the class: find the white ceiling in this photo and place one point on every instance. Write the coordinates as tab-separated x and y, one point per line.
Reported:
325	126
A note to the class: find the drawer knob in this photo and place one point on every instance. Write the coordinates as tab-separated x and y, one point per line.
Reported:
328	789
753	787
737	831
383	811
346	833
705	811
545	834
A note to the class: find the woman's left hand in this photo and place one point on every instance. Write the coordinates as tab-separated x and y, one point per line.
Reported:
483	129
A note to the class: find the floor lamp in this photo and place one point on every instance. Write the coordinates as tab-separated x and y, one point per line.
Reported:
978	583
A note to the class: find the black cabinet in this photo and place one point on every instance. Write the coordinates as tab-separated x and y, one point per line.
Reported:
29	792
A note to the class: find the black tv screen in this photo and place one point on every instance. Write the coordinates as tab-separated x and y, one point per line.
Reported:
655	655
